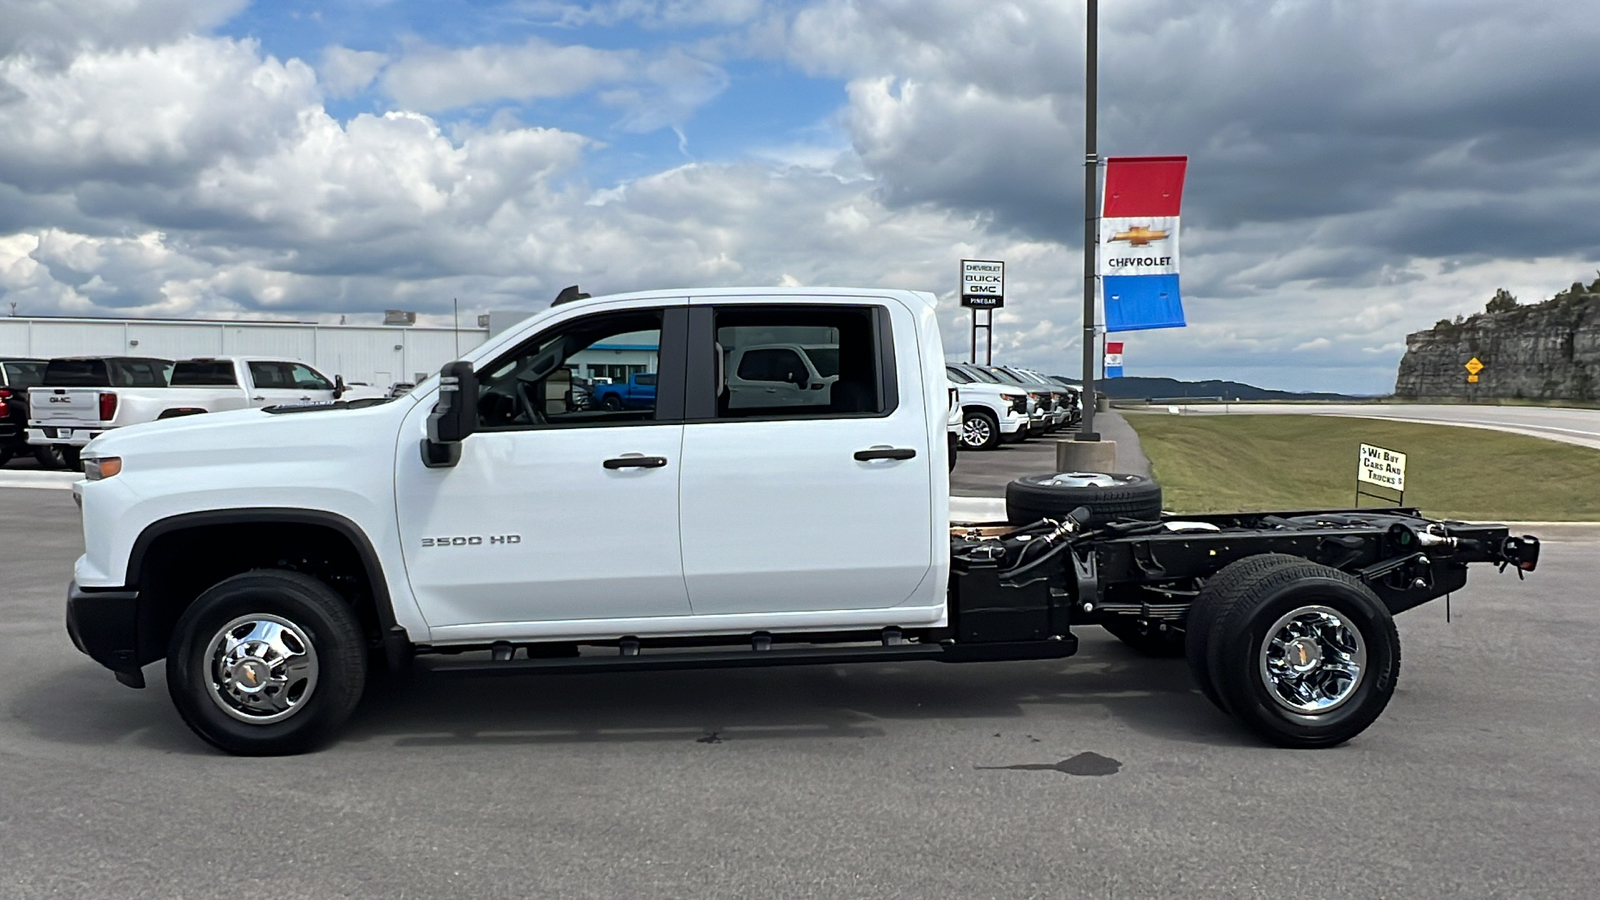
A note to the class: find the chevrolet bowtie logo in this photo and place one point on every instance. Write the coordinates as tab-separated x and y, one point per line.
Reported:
1139	236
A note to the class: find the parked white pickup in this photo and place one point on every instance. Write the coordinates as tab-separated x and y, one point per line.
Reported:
70	417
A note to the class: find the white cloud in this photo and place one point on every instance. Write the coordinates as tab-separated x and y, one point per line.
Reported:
146	114
430	79
47	27
346	73
649	13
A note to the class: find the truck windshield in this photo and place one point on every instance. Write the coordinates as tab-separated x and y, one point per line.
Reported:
24	374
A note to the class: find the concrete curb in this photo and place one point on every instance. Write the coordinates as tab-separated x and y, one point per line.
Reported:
61	481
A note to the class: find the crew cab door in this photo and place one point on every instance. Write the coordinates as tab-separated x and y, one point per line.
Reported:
282	383
794	506
554	512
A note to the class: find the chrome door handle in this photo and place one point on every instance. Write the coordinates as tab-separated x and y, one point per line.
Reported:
635	462
885	453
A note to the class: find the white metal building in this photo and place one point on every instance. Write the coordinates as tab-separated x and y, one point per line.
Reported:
372	354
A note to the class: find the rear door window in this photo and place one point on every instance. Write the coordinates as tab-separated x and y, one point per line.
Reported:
204	373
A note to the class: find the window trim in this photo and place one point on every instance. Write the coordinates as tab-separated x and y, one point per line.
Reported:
670	356
703	362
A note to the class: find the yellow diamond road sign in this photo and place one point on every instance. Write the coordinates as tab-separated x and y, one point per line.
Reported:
1473	366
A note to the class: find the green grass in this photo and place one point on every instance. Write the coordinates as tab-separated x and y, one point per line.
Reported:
1210	463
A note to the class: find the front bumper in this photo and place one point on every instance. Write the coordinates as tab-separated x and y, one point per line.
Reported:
105	625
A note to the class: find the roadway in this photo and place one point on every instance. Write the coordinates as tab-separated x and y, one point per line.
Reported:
1572	426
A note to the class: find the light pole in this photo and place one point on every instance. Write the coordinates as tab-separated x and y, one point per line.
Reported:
1091	174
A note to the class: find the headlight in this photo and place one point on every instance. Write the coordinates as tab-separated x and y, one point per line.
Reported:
101	467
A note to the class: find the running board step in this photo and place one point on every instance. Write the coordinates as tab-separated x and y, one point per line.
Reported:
723	659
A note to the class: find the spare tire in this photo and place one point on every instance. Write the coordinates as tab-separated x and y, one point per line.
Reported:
1109	496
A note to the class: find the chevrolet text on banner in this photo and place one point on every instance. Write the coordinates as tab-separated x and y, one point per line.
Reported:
1113	359
1139	242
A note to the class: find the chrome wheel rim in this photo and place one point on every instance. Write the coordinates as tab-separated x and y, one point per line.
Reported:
262	669
1081	479
975	432
1313	660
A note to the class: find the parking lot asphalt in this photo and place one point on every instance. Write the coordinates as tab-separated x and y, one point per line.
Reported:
985	473
1103	775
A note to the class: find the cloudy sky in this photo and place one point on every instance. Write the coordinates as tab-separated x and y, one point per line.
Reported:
1358	168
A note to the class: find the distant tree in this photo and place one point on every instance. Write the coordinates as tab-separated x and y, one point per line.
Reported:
1459	318
1441	325
1594	288
1502	301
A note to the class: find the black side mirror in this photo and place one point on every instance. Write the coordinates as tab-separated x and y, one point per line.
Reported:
454	417
338	386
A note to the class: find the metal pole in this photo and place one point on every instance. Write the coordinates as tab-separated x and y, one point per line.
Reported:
1090	184
456	323
988	339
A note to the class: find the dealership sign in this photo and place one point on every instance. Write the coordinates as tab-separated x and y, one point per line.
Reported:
983	283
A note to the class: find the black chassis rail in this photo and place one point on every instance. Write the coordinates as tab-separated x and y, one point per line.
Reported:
1152	570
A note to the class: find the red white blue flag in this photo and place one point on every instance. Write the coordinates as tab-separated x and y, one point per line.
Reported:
1139	242
1113	359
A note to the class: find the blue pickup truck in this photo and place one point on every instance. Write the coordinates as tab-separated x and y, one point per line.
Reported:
638	393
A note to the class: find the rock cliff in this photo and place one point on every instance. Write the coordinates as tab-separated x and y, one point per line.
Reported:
1543	351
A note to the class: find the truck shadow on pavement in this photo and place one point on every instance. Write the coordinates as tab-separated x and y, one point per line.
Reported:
1105	680
861	701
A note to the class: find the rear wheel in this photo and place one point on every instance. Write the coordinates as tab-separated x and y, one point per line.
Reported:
1304	655
1222	589
612	402
5	455
980	430
48	456
71	458
266	663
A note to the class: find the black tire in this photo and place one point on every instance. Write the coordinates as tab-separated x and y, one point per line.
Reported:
48	456
1034	497
1202	618
1148	642
1277	601
980	430
954	448
334	644
5	455
612	402
71	457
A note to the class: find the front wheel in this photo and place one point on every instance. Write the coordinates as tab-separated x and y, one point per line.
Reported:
1304	655
980	430
266	663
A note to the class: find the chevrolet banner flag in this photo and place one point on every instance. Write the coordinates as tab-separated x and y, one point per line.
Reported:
1139	242
1113	365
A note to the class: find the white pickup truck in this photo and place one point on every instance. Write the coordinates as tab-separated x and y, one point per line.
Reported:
70	417
277	559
